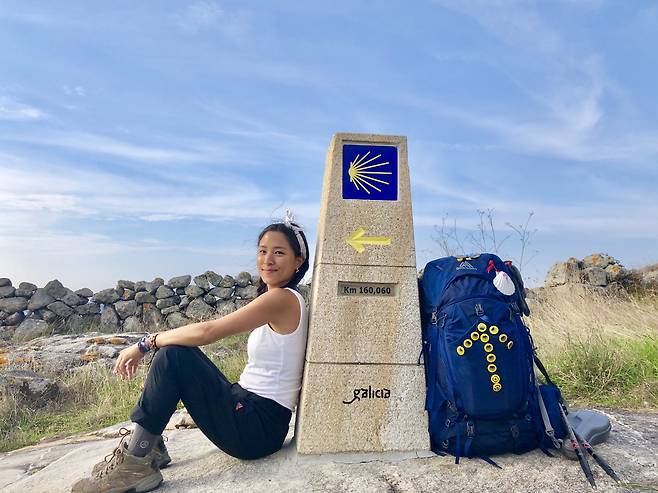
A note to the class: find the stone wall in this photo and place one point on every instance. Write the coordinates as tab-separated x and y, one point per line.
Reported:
28	311
600	270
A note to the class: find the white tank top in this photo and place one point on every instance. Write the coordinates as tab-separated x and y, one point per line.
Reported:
276	361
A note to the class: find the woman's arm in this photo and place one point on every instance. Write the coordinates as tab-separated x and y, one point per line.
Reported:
272	307
276	307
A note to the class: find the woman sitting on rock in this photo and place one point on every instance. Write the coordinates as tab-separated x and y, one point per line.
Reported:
248	419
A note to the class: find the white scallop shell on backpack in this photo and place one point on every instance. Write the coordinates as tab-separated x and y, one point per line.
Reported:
503	283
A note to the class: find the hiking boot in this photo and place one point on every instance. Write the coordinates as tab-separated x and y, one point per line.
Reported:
159	454
123	473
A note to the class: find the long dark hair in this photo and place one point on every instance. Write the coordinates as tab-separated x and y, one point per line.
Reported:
294	244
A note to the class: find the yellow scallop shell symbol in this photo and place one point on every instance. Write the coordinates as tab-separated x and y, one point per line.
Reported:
460	351
488	347
510	344
495	378
484	337
482	327
493	329
502	338
468	343
491	357
496	387
475	336
491	368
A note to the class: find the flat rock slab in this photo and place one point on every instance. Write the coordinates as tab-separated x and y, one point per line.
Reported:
200	467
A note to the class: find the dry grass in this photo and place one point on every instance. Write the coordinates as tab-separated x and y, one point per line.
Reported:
561	317
91	397
600	348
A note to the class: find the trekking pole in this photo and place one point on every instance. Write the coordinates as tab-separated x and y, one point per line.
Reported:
576	446
599	460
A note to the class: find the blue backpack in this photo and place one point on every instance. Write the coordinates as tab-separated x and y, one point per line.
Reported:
478	354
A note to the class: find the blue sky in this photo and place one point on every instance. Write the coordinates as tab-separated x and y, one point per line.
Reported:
143	139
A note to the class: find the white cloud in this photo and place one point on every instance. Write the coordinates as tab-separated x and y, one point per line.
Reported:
13	111
98	144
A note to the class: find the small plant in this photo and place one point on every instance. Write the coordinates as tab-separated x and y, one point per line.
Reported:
484	237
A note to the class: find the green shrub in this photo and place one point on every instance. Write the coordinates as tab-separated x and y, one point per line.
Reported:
608	371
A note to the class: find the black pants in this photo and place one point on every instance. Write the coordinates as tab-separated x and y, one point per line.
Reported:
241	423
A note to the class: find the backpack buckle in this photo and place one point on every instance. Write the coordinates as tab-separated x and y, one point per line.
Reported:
470	429
479	311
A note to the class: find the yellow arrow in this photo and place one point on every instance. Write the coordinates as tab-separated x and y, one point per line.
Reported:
356	240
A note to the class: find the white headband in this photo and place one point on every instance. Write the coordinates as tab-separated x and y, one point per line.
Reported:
289	221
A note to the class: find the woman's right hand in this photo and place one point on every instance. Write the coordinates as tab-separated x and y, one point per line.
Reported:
127	362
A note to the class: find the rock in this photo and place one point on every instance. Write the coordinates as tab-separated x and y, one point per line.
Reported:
92	322
227	282
32	389
194	291
106	296
27	286
184	301
615	273
180	291
167	302
240	303
85	292
199	310
126	285
31	329
74	324
132	324
563	273
149	287
202	282
210	299
180	281
152	319
23	293
55	289
4	282
222	293
157	282
35	315
144	297
243	279
14	318
109	319
255	279
177	319
125	309
39	299
601	260
171	309
247	293
7	291
95	352
164	292
72	299
47	315
214	278
60	309
127	295
595	276
225	307
13	305
305	291
3	315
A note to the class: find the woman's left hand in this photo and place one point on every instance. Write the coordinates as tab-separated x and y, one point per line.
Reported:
127	362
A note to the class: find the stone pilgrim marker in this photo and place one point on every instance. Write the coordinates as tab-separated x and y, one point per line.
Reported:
363	390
